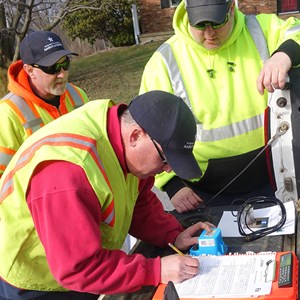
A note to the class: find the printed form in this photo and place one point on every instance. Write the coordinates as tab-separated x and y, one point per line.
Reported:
230	276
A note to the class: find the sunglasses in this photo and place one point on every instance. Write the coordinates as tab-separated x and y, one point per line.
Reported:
162	157
56	68
203	25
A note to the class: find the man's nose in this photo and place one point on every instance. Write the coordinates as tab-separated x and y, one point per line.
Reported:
62	73
209	29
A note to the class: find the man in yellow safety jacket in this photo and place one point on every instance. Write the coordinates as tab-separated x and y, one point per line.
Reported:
39	91
219	62
76	187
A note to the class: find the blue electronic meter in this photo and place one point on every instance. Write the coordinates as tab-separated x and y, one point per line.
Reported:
210	243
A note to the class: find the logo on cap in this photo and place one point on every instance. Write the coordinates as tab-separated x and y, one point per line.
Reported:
52	44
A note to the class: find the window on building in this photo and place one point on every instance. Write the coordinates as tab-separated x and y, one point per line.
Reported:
169	3
286	6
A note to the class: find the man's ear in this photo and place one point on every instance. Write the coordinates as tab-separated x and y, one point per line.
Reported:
135	135
29	70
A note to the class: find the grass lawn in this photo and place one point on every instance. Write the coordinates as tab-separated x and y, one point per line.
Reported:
114	74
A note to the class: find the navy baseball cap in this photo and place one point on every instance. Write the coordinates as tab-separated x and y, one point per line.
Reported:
43	48
170	122
207	10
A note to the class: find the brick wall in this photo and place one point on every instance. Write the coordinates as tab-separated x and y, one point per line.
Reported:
154	19
265	7
257	6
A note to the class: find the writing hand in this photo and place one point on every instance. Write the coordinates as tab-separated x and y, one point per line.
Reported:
177	268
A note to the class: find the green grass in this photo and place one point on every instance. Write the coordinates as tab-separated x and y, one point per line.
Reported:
114	74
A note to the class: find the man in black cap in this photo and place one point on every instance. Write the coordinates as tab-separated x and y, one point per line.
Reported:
223	64
39	91
81	184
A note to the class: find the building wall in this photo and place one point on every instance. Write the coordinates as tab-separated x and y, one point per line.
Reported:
154	19
257	6
263	7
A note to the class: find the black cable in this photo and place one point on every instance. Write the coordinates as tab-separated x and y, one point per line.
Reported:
243	215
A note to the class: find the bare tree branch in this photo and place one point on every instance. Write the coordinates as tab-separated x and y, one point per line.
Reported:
18	16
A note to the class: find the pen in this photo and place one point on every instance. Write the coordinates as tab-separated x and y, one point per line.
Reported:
175	249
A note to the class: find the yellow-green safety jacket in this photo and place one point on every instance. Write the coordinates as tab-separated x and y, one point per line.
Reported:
80	138
227	106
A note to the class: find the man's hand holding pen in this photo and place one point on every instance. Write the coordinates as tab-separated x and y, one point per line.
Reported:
179	267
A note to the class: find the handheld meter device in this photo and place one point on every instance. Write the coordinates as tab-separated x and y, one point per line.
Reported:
210	243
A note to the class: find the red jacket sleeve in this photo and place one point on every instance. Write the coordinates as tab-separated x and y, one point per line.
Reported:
150	222
66	214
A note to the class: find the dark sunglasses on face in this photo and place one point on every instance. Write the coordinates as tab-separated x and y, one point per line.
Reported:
163	159
56	68
204	24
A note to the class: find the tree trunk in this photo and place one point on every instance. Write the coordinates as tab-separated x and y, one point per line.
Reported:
5	55
3	82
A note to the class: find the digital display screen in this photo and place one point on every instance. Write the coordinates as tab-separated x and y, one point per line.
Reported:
285	260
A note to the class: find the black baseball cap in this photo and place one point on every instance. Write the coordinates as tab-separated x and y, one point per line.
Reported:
43	48
170	122
207	10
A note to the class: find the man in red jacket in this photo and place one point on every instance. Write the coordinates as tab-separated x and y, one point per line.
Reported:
81	184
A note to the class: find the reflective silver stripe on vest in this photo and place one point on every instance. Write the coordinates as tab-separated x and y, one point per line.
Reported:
258	37
7	184
74	95
110	218
31	121
292	30
229	131
174	74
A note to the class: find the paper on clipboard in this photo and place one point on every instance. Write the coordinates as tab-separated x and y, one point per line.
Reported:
229	276
229	227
